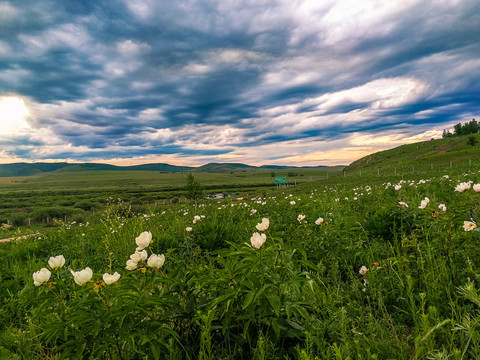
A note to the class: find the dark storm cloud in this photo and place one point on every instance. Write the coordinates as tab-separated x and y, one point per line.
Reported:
117	75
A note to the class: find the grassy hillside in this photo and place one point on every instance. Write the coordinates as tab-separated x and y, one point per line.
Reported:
423	156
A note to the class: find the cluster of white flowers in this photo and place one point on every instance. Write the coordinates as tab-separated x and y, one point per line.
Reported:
81	277
197	218
463	186
154	261
257	240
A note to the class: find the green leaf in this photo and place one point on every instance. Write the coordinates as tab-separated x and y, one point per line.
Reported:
275	303
248	299
276	328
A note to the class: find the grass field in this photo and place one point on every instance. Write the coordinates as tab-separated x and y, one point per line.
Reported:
156	180
351	268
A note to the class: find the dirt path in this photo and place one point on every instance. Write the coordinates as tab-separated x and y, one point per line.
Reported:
17	238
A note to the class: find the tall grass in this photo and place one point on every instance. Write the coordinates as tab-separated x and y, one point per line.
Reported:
300	296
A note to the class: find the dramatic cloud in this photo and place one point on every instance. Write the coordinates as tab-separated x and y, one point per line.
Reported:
302	82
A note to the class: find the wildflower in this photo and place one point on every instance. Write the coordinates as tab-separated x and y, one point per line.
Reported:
319	221
143	240
258	240
138	256
56	262
188	229
292	202
41	276
363	270
196	218
111	279
398	187
83	276
442	207
253	211
131	265
263	225
98	285
402	203
424	203
476	187
301	218
156	261
462	187
469	225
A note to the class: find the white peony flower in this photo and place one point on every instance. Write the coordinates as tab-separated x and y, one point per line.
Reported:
292	202
424	203
469	225
143	240
402	203
319	221
398	187
442	207
363	270
56	262
111	279
83	276
301	218
138	256
263	225
258	240
131	265
462	187
476	187
196	218
41	276
188	229
156	261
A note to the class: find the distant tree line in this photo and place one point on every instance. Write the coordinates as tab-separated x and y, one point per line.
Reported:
471	127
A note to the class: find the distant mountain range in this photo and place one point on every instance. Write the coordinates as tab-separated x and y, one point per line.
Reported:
28	169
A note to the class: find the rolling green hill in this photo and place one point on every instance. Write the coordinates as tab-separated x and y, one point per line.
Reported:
29	169
427	155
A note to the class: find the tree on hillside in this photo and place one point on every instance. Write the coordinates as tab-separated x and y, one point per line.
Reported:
472	141
471	127
194	189
446	133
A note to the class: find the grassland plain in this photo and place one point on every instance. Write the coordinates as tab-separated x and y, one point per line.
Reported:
36	200
351	268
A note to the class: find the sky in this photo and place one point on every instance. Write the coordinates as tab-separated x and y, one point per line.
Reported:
260	82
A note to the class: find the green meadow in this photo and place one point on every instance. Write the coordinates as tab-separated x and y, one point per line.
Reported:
347	267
